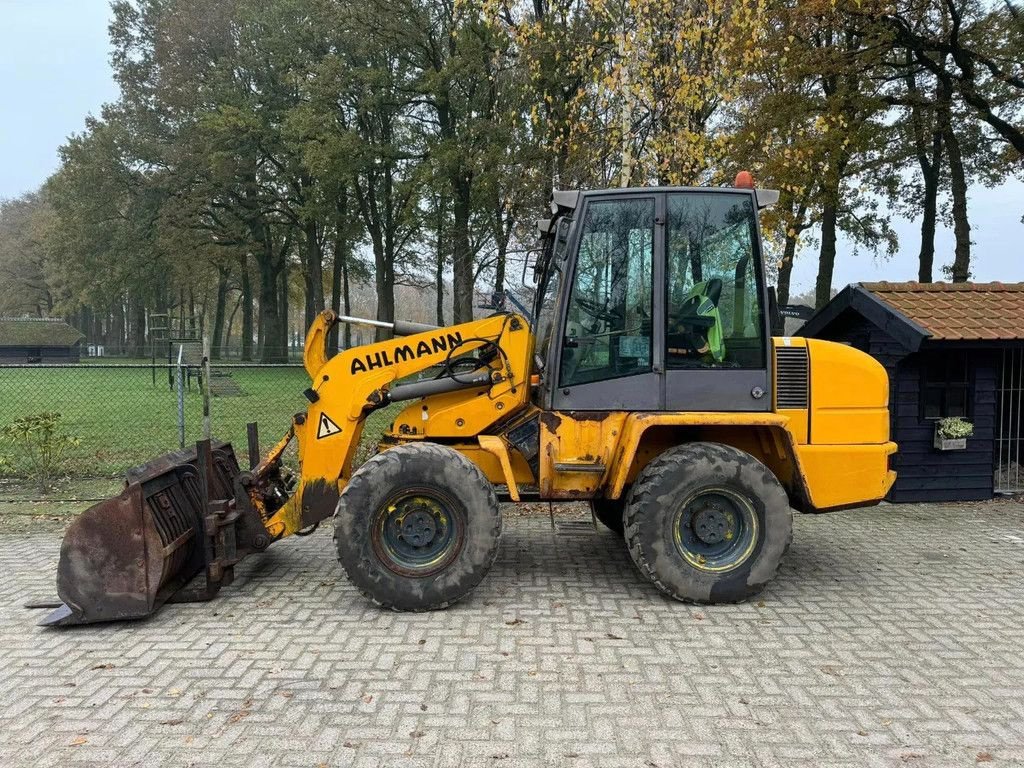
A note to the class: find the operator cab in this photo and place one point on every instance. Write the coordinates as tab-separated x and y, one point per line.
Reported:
653	299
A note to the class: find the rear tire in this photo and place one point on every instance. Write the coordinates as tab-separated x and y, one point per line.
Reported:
708	523
417	527
609	512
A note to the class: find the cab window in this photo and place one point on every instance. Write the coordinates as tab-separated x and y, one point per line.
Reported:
546	301
714	317
608	323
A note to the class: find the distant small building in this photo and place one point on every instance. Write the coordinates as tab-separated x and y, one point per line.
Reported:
38	340
951	349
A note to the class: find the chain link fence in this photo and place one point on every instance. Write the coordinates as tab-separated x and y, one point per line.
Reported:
122	415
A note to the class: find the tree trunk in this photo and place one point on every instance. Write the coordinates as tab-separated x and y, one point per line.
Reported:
462	256
283	337
192	314
85	325
339	275
385	295
502	234
230	327
499	268
384	282
929	158
961	271
314	271
338	270
219	313
117	337
108	328
439	288
347	299
926	257
247	311
138	329
271	348
786	270
794	227
269	325
439	253
381	239
378	211
827	255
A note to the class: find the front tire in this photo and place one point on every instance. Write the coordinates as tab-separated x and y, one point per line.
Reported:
708	523
417	527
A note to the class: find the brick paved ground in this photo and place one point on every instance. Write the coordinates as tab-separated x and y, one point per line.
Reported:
893	636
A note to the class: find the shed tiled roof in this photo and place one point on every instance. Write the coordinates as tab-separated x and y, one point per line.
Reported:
37	332
958	311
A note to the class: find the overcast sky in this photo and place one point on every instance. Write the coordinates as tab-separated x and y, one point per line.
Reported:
54	70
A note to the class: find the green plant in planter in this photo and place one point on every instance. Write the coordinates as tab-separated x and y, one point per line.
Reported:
954	428
39	446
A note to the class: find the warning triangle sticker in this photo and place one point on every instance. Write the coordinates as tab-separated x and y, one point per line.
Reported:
326	427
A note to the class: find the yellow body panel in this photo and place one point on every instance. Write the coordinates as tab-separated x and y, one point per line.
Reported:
577	450
841	441
499	450
846	475
849	396
511	470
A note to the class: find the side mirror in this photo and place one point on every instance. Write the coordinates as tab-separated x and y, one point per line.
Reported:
534	254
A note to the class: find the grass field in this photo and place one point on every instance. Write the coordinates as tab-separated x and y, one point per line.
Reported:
121	419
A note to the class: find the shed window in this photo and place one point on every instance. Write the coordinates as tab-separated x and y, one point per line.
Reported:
944	387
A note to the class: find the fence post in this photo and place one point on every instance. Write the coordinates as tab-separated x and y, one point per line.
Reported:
206	387
180	384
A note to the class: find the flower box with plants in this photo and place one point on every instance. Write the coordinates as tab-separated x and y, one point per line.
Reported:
951	433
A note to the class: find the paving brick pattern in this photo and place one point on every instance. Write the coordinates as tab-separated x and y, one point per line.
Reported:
893	636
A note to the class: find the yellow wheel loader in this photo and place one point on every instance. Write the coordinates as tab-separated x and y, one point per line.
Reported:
645	381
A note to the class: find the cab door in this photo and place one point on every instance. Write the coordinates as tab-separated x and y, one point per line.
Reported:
716	327
607	359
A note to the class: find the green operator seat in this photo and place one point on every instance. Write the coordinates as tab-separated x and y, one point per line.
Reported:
695	329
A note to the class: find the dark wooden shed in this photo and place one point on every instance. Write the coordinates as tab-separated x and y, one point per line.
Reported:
951	349
38	340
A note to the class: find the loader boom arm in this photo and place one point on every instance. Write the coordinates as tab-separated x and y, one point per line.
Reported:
346	388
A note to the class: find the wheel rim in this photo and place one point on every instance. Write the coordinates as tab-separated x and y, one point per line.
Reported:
715	529
418	532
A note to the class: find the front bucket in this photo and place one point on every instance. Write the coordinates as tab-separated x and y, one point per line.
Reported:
125	557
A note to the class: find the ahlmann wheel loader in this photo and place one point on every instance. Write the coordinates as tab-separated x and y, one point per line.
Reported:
645	381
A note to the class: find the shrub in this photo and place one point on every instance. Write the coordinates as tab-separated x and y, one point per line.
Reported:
39	446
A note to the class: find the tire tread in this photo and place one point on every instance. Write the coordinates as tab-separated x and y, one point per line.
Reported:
641	496
390	461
